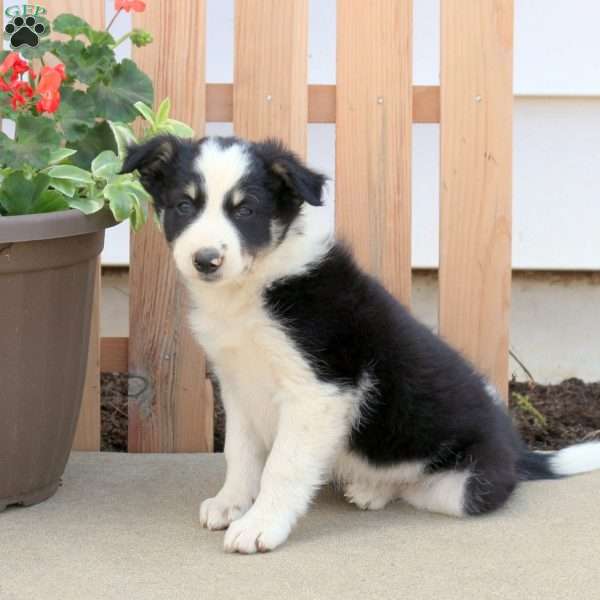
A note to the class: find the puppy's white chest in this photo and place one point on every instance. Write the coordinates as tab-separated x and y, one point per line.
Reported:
253	359
248	381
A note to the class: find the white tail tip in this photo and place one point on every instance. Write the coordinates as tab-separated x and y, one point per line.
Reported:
580	458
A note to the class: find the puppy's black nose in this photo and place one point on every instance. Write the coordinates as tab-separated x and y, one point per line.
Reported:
208	260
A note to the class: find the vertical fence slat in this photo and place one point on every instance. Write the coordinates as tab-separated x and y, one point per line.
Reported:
87	434
373	136
475	196
92	12
172	410
271	55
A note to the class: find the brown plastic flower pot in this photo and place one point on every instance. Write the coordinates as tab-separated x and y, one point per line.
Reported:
47	268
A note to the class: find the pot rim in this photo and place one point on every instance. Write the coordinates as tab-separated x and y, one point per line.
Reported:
48	226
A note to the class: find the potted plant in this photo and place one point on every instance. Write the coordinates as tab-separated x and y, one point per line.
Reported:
72	104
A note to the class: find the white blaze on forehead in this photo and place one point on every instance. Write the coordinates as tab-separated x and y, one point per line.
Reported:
221	169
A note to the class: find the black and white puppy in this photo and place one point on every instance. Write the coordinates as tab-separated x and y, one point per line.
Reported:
324	375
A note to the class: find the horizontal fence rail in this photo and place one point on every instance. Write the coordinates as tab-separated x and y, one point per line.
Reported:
321	103
373	105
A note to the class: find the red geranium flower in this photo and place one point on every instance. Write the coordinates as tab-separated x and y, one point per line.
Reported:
129	5
21	91
18	89
48	88
49	102
16	63
8	63
58	70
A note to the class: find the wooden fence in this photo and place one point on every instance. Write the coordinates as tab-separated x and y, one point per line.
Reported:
373	105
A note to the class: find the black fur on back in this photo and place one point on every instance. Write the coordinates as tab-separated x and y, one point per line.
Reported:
426	401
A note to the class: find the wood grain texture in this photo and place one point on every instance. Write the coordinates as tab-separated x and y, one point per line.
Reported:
476	171
373	136
87	434
171	414
114	354
270	94
321	103
92	12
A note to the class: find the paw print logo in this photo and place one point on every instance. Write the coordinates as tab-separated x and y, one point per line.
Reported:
25	31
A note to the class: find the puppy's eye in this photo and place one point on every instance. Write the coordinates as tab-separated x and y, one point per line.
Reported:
185	208
243	211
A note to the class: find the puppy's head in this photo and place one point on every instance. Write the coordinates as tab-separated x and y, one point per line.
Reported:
223	202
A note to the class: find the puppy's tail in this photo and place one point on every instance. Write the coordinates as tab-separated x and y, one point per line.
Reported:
580	458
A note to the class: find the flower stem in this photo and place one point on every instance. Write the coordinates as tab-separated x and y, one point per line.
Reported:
113	19
119	41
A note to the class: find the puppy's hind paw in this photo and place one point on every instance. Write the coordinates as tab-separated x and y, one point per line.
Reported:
367	498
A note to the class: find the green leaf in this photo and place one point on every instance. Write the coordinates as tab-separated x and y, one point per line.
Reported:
71	25
7	153
107	163
102	38
19	195
127	198
76	113
115	101
97	139
124	137
163	112
87	205
120	201
139	216
74	26
64	186
135	188
59	154
86	64
38	52
176	128
146	112
5	108
71	173
50	201
35	140
160	121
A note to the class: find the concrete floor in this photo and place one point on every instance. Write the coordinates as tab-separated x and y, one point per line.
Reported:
124	526
555	319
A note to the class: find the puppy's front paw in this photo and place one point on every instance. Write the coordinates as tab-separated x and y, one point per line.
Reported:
256	533
217	513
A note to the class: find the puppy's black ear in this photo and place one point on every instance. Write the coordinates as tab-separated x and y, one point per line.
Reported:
302	183
151	159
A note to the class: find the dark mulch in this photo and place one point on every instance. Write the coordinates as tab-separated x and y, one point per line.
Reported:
555	416
548	416
218	418
113	410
